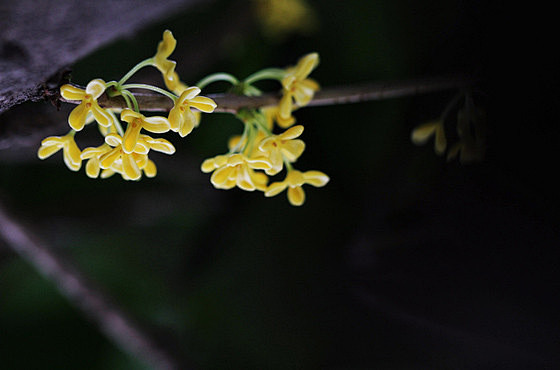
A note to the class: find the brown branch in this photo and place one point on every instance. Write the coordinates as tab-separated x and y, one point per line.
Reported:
230	103
116	325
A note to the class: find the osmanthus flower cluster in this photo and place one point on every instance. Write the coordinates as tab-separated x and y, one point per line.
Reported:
255	156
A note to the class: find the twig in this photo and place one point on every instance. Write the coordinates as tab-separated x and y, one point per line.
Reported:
70	282
231	103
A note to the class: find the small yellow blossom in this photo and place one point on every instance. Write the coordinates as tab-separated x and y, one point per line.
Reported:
182	118
70	151
272	114
297	86
294	181
78	116
421	134
278	148
166	66
281	17
93	164
136	122
236	169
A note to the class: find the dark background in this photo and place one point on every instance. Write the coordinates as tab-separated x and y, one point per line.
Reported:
403	261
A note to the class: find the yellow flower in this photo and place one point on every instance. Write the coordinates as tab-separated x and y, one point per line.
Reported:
283	146
70	151
294	181
421	134
166	66
236	169
272	114
142	162
281	17
136	122
93	164
181	117
78	116
297	86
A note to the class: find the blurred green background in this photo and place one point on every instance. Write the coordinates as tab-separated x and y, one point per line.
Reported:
402	261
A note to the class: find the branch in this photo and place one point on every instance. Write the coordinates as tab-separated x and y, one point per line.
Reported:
70	282
231	103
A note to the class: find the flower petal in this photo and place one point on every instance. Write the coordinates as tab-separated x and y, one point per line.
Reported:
72	92
95	88
296	195
129	115
291	133
315	178
285	106
175	118
156	124
203	104
107	159
275	188
305	65
188	94
162	145
113	139
293	149
131	136
150	170
46	151
92	168
77	118
422	133
101	115
130	168
188	123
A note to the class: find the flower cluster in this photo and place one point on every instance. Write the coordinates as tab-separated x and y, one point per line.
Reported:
125	151
253	157
259	153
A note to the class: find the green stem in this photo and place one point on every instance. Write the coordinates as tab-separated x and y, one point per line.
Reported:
132	98
216	77
266	74
135	69
127	99
117	123
288	165
152	88
260	121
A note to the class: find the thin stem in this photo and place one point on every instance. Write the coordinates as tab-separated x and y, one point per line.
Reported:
117	123
112	320
266	74
127	99
132	98
231	103
216	77
152	88
136	68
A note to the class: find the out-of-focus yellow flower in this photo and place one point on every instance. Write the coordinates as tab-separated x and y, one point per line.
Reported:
294	182
281	17
88	97
70	151
296	85
236	169
166	66
182	118
421	134
278	148
136	122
